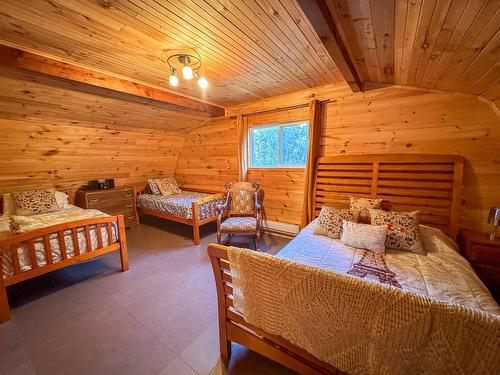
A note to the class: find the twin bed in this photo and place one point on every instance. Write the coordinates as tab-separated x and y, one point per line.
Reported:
50	241
193	208
33	245
402	311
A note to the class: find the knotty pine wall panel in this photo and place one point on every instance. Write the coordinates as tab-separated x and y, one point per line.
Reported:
283	188
52	136
67	156
399	120
209	156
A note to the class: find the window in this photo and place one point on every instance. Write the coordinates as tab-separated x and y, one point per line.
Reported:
278	146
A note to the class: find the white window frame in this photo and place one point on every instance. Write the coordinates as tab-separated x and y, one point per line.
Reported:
279	126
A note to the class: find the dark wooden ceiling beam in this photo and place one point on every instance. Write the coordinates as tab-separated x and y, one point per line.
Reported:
105	85
319	16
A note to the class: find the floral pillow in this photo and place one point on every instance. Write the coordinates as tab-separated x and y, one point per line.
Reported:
33	202
153	187
330	219
167	186
363	204
402	229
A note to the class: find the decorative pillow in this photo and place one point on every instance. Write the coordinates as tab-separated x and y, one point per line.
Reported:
8	205
402	229
153	187
167	186
62	199
363	204
330	220
32	202
364	236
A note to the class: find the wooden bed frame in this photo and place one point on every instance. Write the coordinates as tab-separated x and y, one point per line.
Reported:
12	243
196	221
431	184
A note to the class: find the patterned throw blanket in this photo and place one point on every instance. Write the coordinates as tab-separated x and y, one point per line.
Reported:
359	326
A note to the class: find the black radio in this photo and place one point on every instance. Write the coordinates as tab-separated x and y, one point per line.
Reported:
101	185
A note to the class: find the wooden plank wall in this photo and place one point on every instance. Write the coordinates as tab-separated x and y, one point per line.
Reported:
209	156
401	120
283	188
394	120
63	138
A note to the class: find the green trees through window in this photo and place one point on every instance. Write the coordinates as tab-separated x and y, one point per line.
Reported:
283	145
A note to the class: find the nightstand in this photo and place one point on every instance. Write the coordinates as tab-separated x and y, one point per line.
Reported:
116	201
484	256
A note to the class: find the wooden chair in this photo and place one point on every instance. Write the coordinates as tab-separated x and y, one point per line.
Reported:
243	207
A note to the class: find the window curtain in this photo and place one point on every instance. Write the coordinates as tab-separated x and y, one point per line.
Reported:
312	154
242	132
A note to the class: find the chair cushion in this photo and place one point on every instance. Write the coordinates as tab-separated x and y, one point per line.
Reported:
239	224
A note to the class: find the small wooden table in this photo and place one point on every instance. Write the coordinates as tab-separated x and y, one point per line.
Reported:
484	256
116	201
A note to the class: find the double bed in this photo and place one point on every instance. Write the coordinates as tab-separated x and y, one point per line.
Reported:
193	208
438	287
33	245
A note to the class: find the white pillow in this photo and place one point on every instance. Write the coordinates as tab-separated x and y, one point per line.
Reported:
435	241
62	199
8	205
364	236
9	208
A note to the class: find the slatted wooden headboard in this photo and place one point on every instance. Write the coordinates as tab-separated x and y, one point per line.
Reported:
431	184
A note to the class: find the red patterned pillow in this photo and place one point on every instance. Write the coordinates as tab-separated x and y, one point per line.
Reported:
402	229
330	219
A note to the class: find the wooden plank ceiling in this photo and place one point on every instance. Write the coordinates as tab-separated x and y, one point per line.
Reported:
250	49
255	49
450	45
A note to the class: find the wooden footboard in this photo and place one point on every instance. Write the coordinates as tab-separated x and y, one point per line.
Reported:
233	327
203	211
60	231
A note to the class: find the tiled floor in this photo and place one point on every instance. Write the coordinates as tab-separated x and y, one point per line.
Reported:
158	318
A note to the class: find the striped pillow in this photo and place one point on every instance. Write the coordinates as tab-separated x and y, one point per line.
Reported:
364	236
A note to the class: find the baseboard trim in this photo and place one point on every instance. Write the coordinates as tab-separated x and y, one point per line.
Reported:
284	229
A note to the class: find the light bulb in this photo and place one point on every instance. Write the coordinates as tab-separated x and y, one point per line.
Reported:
187	72
203	82
173	80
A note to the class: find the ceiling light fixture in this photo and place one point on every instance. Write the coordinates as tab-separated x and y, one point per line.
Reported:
187	72
187	63
173	79
203	82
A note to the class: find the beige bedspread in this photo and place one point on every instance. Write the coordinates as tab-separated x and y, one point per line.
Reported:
22	224
360	326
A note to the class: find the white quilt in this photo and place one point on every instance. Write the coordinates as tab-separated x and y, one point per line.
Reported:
442	273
